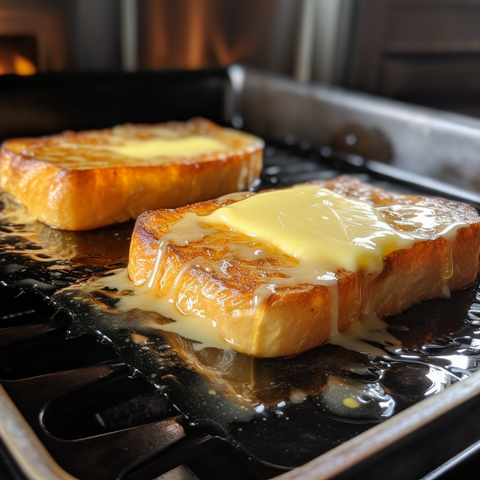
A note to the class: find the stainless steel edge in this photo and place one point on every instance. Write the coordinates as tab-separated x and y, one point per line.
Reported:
430	142
438	187
341	458
236	74
30	455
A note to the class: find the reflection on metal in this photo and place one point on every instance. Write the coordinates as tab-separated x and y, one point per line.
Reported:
28	452
306	31
322	41
96	34
232	103
424	141
129	34
333	27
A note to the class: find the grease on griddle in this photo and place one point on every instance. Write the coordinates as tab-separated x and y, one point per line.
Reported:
440	346
22	234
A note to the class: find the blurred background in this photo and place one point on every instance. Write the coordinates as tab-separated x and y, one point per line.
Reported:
424	52
420	51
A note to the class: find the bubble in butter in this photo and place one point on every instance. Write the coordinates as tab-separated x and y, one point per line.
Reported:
351	402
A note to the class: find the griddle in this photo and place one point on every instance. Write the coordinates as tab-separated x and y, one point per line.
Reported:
92	400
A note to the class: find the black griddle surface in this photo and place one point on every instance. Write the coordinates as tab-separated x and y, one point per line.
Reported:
107	407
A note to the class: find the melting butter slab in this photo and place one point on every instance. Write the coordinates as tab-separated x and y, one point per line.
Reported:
170	148
151	151
325	231
281	272
85	180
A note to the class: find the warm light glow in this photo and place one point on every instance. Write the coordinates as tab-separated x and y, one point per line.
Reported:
23	66
16	63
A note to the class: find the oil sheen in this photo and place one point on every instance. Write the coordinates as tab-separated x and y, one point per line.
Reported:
245	381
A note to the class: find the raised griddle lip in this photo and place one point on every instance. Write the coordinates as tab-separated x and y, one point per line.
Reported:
421	183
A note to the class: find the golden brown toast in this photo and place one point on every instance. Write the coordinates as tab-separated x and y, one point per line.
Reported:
84	180
218	276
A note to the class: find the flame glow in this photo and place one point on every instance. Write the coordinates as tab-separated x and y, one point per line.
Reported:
18	64
23	66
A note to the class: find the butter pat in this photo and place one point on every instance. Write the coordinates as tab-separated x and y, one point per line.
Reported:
328	231
168	147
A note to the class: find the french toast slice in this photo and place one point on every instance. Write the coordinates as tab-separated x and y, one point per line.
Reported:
217	275
89	179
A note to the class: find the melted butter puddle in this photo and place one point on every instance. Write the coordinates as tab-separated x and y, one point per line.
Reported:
19	222
202	330
192	327
369	328
44	244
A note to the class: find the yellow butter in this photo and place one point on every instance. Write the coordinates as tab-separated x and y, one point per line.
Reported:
320	228
132	151
168	147
351	402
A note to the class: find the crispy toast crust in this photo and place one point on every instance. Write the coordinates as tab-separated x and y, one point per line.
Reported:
294	319
83	191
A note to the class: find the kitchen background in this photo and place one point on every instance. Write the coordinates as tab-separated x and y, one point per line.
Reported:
420	51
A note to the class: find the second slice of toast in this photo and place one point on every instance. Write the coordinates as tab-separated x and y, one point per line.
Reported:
86	180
